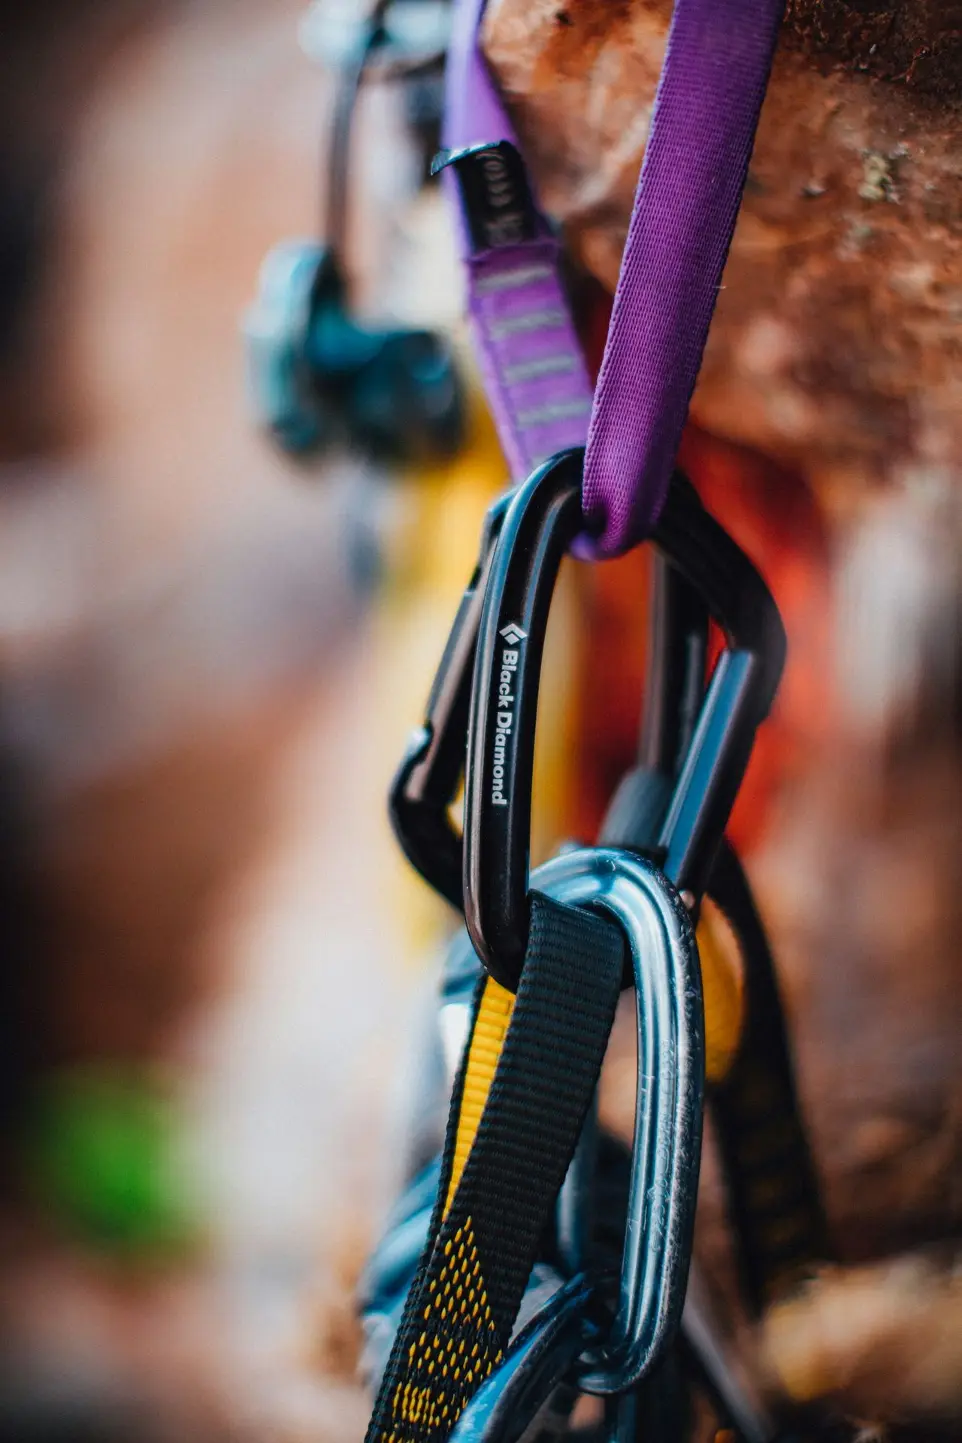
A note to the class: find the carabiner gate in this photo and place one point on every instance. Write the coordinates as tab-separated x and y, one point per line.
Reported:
426	783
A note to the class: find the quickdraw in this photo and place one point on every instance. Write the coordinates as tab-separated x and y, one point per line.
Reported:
462	1341
318	376
694	747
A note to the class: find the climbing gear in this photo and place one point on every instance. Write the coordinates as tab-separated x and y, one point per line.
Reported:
392	1267
666	1153
425	786
534	1368
490	1217
706	109
541	521
601	1220
678	633
520	1101
317	375
426	783
775	1205
526	344
429	549
776	1210
501	625
521	1164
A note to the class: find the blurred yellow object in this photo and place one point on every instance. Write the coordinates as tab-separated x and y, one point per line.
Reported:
723	989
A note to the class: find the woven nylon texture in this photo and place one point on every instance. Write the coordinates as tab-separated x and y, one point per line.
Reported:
492	1017
703	125
465	1298
534	374
702	130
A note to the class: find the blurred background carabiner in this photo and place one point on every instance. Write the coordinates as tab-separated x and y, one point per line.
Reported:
320	376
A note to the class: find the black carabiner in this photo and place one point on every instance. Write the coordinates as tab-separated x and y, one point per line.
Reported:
542	519
426	783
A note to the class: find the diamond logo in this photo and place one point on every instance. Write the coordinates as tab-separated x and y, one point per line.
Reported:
513	634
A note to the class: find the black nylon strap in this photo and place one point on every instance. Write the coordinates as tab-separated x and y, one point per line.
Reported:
775	1201
471	1279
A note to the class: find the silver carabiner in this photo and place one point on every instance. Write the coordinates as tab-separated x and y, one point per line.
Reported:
668	1106
668	1109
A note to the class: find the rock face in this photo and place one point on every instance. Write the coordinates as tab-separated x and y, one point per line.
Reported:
836	342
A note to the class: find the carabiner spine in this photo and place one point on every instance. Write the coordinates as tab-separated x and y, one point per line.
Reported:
541	522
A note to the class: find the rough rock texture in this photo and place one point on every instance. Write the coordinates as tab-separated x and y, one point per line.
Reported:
918	43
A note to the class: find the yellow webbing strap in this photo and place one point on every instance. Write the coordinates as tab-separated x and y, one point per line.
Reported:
490	1027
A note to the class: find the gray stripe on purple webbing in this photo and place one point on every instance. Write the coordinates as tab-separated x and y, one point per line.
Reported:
513	279
553	319
555	411
543	366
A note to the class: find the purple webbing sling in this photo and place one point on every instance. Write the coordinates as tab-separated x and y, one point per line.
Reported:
534	373
712	84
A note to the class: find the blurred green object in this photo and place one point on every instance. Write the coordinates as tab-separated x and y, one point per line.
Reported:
100	1154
